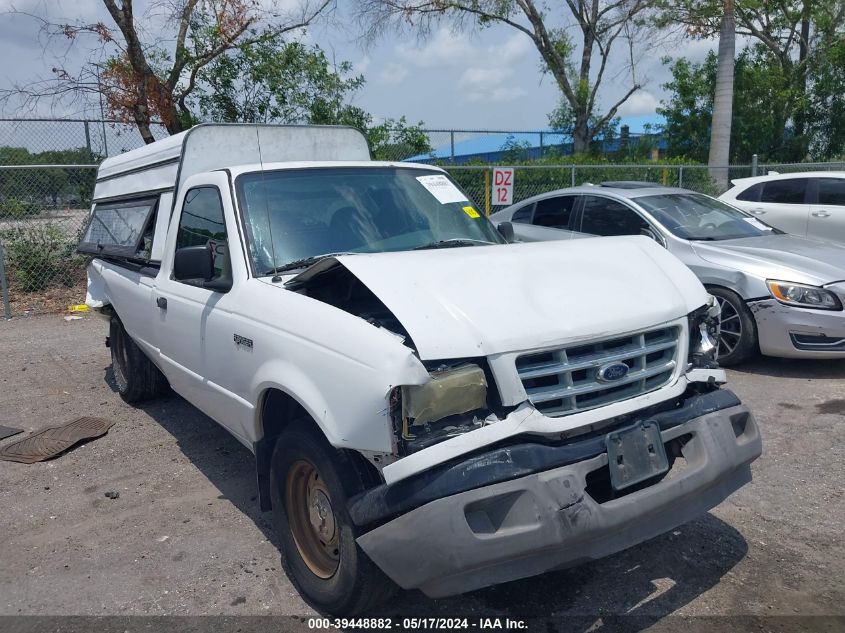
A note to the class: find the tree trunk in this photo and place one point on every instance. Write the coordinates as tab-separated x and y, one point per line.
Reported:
720	127
581	135
142	122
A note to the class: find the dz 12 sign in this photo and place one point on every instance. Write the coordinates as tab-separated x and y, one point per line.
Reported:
502	186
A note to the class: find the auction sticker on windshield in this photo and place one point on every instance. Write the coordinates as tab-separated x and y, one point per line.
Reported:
442	188
757	224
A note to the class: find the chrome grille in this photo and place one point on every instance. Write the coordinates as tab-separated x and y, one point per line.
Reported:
563	381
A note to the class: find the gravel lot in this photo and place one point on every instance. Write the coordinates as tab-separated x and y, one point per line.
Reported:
185	535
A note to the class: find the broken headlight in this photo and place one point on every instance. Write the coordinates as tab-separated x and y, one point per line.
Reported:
803	296
433	411
704	335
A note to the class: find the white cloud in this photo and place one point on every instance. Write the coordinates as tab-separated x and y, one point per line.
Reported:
392	74
641	102
360	67
487	73
489	84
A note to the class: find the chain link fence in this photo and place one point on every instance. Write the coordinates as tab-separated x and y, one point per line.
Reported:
48	169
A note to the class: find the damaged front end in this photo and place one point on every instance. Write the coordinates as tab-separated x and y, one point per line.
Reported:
534	504
455	400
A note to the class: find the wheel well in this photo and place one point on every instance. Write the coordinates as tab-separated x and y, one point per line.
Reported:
278	411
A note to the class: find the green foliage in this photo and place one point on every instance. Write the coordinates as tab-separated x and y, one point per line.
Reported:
280	82
514	151
557	173
788	92
826	100
763	100
563	118
396	140
12	208
41	255
48	185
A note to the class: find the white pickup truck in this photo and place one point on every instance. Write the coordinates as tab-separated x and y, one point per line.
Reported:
428	405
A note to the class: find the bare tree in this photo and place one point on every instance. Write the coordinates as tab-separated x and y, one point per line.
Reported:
720	128
579	70
141	80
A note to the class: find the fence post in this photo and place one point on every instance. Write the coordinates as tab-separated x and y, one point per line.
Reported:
681	176
753	165
541	145
4	285
573	175
487	192
87	136
452	143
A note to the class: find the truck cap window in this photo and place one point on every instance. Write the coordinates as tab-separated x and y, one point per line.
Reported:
121	229
293	215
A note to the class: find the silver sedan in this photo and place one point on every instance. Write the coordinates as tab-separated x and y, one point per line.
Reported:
780	294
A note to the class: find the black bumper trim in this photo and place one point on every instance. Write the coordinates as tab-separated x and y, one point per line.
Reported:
510	462
817	343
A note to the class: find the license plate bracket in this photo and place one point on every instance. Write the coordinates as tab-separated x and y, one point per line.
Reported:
635	454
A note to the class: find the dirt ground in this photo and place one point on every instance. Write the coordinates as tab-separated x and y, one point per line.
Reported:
186	537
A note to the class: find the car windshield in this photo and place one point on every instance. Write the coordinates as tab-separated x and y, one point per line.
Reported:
693	216
293	216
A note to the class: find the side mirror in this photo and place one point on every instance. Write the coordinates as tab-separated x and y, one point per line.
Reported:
506	231
193	262
650	233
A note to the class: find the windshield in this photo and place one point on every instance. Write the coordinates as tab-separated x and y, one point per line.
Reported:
693	216
296	214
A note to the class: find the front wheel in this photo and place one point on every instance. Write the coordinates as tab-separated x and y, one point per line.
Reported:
738	330
311	485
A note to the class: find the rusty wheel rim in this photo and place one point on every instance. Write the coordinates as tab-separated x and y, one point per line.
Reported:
311	519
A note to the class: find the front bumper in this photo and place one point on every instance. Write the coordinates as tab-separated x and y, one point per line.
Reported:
789	332
549	520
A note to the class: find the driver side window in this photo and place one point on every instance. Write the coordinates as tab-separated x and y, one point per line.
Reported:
606	217
202	224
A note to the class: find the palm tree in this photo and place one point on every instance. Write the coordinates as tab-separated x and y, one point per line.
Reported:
720	128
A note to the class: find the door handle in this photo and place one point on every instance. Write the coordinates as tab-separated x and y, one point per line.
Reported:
161	302
820	214
757	211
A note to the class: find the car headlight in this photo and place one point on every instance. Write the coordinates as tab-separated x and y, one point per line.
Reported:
432	411
704	335
803	296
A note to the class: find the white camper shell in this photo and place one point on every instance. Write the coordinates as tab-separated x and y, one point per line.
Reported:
407	380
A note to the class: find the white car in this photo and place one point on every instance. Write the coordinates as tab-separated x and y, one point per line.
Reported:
428	405
808	204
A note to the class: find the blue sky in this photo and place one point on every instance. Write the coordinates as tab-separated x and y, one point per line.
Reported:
489	79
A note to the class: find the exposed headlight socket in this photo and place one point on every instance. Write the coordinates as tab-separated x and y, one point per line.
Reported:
704	335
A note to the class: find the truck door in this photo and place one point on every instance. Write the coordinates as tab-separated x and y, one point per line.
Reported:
194	323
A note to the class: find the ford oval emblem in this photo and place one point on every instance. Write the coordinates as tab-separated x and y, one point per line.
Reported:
612	372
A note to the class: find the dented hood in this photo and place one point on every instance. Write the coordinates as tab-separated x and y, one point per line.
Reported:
483	300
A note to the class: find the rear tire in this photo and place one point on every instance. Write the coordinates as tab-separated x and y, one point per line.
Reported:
136	377
738	336
311	483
